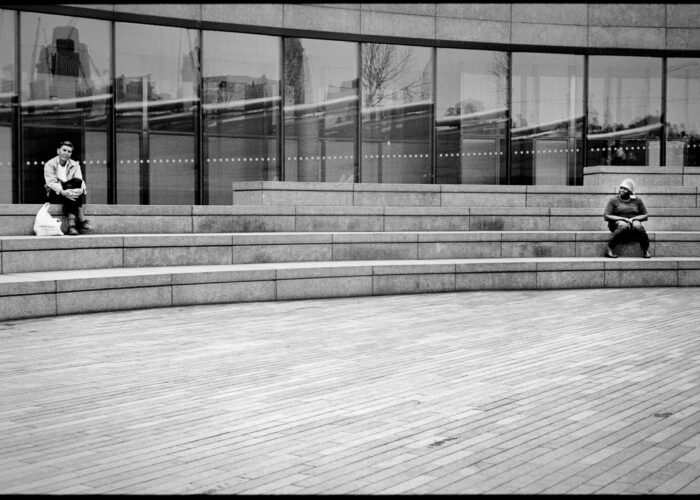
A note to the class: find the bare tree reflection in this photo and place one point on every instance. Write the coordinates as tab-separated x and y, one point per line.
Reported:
382	68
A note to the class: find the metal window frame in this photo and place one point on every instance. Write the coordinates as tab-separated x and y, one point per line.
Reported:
283	34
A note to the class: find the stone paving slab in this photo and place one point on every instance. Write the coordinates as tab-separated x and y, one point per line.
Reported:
525	392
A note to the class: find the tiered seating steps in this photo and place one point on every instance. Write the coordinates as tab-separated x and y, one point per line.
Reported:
159	256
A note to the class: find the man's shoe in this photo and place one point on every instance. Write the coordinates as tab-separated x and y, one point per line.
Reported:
647	255
86	226
72	231
610	254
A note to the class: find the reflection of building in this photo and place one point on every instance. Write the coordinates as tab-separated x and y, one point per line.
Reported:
62	69
7	83
470	94
228	88
131	88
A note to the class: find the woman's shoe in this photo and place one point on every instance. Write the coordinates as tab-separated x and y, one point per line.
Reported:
610	254
647	255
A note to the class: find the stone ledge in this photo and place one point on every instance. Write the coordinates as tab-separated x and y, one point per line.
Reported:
71	292
24	255
661	185
645	177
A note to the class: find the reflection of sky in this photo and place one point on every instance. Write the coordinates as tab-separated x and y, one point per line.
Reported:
329	67
547	99
468	76
546	87
624	89
241	54
626	99
683	91
156	51
7	54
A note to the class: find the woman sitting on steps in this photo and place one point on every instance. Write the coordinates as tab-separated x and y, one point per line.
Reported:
624	214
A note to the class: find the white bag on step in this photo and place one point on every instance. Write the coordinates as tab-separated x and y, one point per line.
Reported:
45	225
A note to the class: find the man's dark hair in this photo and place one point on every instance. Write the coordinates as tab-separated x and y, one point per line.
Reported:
66	143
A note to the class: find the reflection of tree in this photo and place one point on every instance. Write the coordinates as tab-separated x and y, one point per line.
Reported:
294	71
499	69
382	67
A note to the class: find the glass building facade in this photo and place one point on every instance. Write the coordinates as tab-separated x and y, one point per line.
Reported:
164	114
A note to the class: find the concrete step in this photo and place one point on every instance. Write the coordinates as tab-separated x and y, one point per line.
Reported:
52	293
20	254
276	193
178	219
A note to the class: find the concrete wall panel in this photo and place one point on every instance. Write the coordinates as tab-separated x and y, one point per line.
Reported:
682	15
257	14
669	26
59	260
622	14
422	9
477	11
176	256
175	10
624	37
413	283
341	286
27	306
549	34
113	299
400	25
321	18
526	280
469	30
551	13
244	254
683	39
212	293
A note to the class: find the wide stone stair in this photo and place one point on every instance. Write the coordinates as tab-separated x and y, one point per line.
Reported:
287	241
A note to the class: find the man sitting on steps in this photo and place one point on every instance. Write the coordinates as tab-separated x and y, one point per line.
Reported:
65	185
624	214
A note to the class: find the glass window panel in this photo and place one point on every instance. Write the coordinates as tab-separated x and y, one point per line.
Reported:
397	113
547	110
65	90
156	104
683	112
8	96
241	101
320	110
624	109
471	116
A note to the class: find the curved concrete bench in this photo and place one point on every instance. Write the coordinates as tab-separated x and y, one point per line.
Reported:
136	219
21	254
53	293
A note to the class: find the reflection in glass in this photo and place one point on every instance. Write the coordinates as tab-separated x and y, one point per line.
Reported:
624	109
241	101
471	116
65	90
156	104
397	113
8	96
320	110
547	110
683	112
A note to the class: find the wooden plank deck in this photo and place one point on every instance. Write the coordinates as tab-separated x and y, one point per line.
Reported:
573	391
